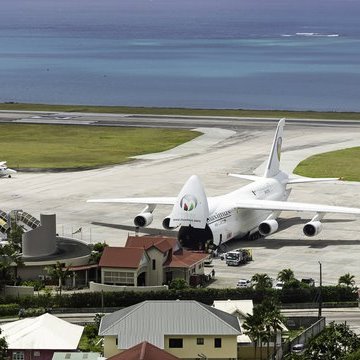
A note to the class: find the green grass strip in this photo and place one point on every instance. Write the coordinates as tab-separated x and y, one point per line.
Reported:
182	111
342	163
69	147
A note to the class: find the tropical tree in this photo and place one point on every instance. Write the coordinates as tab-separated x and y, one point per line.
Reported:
352	356
58	273
334	342
264	324
347	280
272	320
9	255
254	327
96	252
14	236
3	348
261	281
285	275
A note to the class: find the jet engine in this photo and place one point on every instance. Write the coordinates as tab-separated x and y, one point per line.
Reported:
312	228
143	219
268	227
166	224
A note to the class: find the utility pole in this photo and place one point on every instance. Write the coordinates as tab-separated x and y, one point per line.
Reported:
320	291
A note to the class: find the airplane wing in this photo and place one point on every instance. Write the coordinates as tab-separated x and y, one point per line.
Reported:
145	200
294	206
303	180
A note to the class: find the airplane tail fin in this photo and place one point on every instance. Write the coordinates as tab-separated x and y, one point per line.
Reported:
273	164
191	207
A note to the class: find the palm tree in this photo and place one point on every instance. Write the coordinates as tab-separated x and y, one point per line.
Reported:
58	272
286	275
9	255
261	281
253	327
272	320
347	280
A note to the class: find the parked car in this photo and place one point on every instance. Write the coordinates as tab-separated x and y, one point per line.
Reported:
208	261
244	283
279	285
298	348
308	281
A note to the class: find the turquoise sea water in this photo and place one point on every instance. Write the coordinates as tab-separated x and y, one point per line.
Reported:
152	53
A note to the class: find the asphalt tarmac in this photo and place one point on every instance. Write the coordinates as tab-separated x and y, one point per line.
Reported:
229	145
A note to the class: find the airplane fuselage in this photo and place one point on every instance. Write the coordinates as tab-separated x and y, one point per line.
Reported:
227	220
6	172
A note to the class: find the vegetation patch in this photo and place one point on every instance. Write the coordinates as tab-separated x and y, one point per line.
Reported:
27	146
343	164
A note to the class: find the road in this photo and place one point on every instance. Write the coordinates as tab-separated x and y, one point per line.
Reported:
167	121
350	316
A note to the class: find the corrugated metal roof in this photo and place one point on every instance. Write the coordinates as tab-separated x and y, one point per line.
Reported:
242	307
152	320
76	355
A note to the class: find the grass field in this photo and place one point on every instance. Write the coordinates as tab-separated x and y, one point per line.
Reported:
28	146
64	146
182	111
342	163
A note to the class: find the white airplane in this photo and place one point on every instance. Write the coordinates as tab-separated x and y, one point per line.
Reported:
247	212
5	171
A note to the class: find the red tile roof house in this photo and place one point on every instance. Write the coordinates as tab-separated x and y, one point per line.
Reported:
149	261
144	351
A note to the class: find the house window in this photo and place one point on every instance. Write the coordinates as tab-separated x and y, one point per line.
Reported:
36	353
175	343
217	342
154	264
18	355
200	341
118	278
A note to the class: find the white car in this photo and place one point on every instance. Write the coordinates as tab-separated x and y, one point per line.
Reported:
279	285
243	283
298	348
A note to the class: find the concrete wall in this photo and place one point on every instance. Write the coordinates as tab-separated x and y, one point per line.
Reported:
110	347
155	276
18	290
190	349
95	287
34	354
42	240
248	352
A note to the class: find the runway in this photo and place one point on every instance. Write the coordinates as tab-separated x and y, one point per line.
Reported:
241	146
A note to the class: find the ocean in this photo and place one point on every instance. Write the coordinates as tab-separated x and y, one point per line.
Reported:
249	54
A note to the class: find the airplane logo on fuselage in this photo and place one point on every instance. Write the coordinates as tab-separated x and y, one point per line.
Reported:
188	202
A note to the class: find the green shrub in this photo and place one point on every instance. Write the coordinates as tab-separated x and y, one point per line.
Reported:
204	295
36	284
9	309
